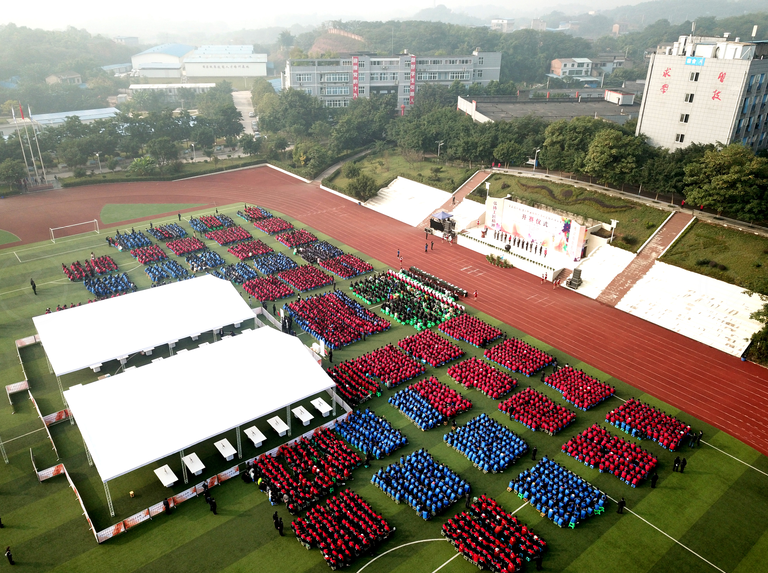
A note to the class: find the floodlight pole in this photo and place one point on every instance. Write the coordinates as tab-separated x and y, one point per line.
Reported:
109	499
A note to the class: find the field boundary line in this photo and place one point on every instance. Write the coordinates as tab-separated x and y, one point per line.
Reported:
519	508
447	562
29	288
8	441
55	254
400	547
735	458
665	534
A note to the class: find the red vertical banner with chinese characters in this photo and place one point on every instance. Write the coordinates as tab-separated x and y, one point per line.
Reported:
355	76
412	91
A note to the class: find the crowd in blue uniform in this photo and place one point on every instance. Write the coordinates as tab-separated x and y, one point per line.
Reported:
109	285
371	434
274	263
487	444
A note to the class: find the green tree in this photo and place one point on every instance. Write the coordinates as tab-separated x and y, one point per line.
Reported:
566	143
363	187
112	164
163	151
142	167
204	137
614	157
11	172
731	180
72	152
251	145
351	170
291	110
261	88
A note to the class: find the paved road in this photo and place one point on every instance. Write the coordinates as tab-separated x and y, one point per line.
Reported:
244	105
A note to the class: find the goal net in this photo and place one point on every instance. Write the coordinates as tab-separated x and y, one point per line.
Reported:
59	233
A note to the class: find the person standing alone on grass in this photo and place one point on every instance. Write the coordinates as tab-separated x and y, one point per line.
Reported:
676	464
280	526
179	217
622	505
683	464
213	505
9	555
33	285
533	453
654	479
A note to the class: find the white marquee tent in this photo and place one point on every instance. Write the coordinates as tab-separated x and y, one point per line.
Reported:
146	414
88	335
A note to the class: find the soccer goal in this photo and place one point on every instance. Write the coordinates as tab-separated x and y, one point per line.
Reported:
75	229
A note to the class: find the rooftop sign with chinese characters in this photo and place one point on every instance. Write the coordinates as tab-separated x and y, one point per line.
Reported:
692	61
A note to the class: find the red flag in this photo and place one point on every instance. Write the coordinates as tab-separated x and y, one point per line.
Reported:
21	109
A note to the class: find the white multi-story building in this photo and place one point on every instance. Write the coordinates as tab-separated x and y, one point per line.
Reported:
706	90
338	81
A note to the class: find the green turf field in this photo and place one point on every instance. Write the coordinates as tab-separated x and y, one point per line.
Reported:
117	212
7	237
711	518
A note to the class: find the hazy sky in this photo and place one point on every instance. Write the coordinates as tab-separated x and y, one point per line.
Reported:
140	17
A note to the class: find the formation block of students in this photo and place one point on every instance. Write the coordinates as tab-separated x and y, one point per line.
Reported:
352	385
229	235
295	238
470	329
238	273
254	213
206	259
335	318
345	528
434	282
490	538
346	266
490	446
96	266
149	254
418	480
132	240
430	348
274	263
371	434
249	249
537	412
476	373
596	447
165	270
643	421
579	388
273	225
518	356
319	251
429	403
267	288
185	246
558	493
109	285
167	232
306	278
389	365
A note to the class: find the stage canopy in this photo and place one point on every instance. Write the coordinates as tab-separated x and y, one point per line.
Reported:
109	329
146	414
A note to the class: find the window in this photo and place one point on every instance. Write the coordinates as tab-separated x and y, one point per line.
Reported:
694	77
739	125
337	90
303	78
480	60
580	65
751	81
360	77
749	124
458	76
407	76
688	98
375	62
479	73
465	62
383	76
422	62
361	64
406	90
427	76
760	82
680	137
745	106
435	62
334	77
451	62
336	103
684	118
406	101
361	90
346	62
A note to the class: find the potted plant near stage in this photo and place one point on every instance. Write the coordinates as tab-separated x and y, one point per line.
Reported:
498	261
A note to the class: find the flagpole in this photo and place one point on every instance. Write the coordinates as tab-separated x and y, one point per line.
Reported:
29	143
21	143
39	154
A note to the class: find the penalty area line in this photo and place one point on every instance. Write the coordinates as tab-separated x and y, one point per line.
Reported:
734	457
400	547
447	562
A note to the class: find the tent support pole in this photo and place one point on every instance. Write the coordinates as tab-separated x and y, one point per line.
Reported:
214	335
333	399
109	499
2	451
170	349
288	418
239	444
61	391
88	455
48	362
183	467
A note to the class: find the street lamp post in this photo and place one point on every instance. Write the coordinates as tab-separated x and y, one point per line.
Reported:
487	189
194	156
99	160
439	145
535	159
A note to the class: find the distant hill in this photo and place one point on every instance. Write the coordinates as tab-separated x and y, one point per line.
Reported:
682	10
444	14
335	43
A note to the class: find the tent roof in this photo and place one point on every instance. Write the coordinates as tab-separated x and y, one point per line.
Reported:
140	416
442	215
106	330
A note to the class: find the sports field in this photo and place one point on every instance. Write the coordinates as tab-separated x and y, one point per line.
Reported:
711	518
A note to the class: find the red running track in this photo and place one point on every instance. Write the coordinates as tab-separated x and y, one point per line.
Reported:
704	382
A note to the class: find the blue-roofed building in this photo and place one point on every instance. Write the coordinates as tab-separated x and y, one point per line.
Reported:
85	115
164	61
115	69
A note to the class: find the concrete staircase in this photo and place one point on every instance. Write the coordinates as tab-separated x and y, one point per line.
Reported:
623	282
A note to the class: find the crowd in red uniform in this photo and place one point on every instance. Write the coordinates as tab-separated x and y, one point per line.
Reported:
518	356
249	249
255	213
346	266
296	238
149	254
644	421
96	266
442	398
578	388
353	386
229	235
185	246
596	447
306	278
537	412
470	329
475	373
335	318
388	364
430	348
343	529
273	225
490	538
268	288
